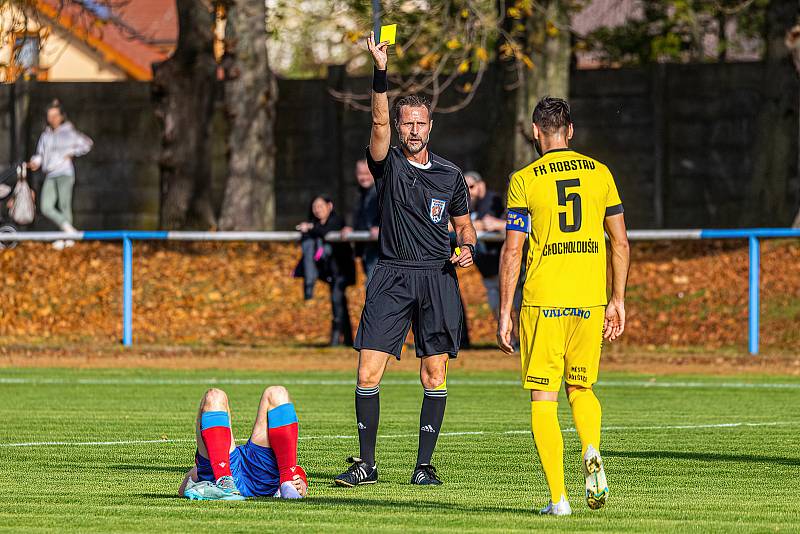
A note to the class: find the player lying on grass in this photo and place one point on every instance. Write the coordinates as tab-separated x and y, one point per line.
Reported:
265	466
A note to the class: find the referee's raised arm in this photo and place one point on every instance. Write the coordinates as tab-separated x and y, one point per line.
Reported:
381	132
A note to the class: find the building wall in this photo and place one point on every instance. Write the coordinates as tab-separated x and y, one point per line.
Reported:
63	56
68	59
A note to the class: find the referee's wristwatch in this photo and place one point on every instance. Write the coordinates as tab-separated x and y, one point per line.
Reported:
471	248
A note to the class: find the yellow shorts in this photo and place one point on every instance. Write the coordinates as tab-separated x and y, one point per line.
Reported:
558	343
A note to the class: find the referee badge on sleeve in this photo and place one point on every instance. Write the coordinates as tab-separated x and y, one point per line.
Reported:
437	209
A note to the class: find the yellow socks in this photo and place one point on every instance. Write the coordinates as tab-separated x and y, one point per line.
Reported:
587	413
550	445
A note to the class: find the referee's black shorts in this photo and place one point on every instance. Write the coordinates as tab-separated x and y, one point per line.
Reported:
423	295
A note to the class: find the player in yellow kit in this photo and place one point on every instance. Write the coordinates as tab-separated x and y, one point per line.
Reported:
561	204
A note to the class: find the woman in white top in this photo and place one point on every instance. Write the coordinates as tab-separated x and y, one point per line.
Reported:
58	145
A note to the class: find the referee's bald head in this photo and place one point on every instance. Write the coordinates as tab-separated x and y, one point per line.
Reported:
552	115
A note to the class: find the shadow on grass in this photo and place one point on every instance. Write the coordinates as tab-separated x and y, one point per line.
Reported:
703	456
146	467
171	496
415	505
362	504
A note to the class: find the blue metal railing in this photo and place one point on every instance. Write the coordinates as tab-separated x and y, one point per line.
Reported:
753	235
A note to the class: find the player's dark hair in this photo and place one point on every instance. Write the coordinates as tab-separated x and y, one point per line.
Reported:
551	115
413	101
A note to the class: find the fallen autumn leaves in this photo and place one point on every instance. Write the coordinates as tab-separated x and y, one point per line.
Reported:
680	295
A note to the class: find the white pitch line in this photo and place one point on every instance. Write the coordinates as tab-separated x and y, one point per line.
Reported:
572	430
92	443
396	436
388	382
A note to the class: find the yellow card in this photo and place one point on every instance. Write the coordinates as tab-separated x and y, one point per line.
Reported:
388	33
458	251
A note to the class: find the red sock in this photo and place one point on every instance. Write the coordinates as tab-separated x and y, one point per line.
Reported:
282	432
215	429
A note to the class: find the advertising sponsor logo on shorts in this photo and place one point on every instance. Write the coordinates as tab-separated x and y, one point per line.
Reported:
577	374
437	209
567	312
537	380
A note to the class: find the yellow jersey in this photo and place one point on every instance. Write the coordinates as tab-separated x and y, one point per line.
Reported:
561	200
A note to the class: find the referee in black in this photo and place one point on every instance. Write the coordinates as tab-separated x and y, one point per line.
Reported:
414	283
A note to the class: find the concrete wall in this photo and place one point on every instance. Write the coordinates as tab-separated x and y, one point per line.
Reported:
678	138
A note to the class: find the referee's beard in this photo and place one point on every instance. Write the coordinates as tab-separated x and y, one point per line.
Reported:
423	143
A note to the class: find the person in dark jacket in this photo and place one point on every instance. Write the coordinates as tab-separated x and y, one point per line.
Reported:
488	215
331	262
366	218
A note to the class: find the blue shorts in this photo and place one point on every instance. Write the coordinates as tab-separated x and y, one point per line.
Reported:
254	469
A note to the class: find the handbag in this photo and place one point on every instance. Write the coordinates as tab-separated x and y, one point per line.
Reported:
23	208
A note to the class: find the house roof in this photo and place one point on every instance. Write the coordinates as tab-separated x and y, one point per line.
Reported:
131	37
156	21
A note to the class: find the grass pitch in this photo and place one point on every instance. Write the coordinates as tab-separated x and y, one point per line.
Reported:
692	454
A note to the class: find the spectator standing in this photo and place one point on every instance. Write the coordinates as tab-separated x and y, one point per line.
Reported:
332	262
365	218
58	145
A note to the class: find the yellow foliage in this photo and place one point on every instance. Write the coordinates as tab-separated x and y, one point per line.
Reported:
352	36
452	44
429	60
463	66
527	61
552	31
467	87
514	13
526	6
481	54
465	13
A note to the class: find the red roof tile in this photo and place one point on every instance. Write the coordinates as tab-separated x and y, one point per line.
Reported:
155	20
133	38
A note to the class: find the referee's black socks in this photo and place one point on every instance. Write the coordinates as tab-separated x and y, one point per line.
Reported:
430	422
368	412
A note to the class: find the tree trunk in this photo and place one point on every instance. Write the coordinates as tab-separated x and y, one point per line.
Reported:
183	90
793	44
776	129
549	46
500	160
250	97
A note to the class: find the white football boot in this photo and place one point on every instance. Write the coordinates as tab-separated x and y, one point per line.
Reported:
595	474
562	507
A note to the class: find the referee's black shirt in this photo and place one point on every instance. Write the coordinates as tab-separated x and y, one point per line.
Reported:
415	204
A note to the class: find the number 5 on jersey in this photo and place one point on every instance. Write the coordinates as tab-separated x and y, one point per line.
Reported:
563	199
